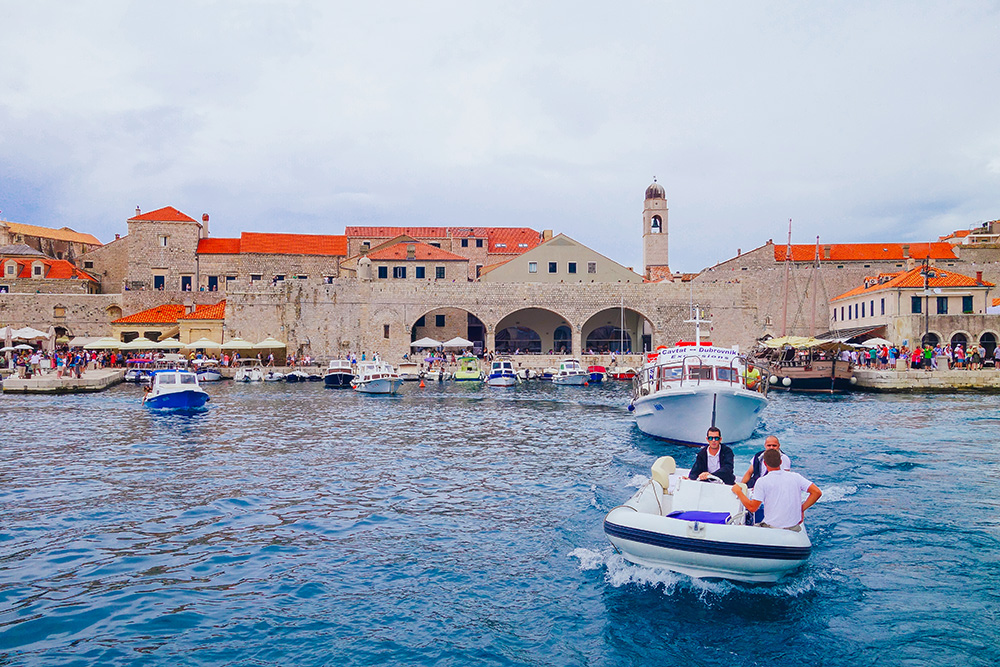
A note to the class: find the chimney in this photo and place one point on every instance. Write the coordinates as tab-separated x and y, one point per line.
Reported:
137	211
117	236
546	235
909	263
204	225
739	252
826	252
979	277
906	251
411	251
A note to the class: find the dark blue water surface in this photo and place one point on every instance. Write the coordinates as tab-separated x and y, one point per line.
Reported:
293	524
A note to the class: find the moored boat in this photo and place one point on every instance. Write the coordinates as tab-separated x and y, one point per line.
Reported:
297	375
502	373
248	370
570	373
207	370
175	390
805	364
339	373
700	529
468	370
273	376
622	374
597	374
138	370
376	378
409	371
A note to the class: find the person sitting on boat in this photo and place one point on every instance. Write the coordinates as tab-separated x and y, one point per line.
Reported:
752	377
779	492
757	468
714	458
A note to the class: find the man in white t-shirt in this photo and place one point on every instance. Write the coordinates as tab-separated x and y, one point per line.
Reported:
780	493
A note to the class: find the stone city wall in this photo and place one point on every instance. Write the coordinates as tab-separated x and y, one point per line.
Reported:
82	314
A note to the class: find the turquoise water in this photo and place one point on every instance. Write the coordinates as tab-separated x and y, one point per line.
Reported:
292	524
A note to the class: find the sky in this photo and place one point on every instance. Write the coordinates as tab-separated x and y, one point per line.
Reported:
859	121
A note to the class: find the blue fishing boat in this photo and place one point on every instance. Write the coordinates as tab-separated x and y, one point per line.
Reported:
175	390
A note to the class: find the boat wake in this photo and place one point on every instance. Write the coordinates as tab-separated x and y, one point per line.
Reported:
620	573
832	494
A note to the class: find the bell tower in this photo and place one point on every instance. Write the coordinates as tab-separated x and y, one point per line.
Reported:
654	233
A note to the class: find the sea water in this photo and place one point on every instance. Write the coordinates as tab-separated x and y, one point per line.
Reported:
461	525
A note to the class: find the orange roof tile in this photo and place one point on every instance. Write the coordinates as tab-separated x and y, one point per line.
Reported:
55	269
960	234
865	252
422	252
165	314
914	278
996	301
293	244
215	311
64	234
219	247
660	274
512	240
391	232
165	214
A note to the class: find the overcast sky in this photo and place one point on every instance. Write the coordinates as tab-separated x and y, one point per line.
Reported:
860	121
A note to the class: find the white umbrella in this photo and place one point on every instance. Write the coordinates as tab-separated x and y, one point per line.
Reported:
103	344
169	344
425	342
204	344
872	342
140	343
458	341
237	344
23	347
28	333
269	344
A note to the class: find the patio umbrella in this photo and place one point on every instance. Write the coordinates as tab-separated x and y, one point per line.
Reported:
104	344
22	346
169	344
872	342
425	342
237	344
140	343
7	348
204	344
458	341
62	340
269	344
29	333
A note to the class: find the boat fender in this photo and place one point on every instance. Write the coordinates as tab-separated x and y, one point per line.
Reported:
773	379
786	382
631	407
854	380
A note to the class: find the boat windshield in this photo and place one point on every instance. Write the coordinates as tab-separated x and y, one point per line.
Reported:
726	374
700	372
166	378
188	379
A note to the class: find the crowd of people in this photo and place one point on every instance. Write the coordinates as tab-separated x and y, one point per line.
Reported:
926	357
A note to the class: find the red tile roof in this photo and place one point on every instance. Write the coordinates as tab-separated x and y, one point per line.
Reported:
55	269
512	240
165	314
499	240
165	214
914	278
422	252
660	274
293	244
391	232
865	252
960	234
219	247
215	311
64	234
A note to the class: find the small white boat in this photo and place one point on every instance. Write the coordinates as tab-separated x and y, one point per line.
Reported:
548	374
138	370
570	373
408	371
682	390
248	370
502	373
700	529
298	375
376	378
207	370
175	390
339	373
273	376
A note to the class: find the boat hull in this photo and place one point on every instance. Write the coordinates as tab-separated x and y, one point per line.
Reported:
379	386
705	550
819	377
570	380
339	380
190	399
209	376
684	414
501	380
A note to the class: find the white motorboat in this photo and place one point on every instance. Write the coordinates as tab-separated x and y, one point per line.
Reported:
502	373
700	529
408	371
248	370
680	391
207	370
339	373
273	376
138	370
570	373
174	390
297	375
376	378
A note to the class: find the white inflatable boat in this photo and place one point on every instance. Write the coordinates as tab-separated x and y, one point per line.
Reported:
700	529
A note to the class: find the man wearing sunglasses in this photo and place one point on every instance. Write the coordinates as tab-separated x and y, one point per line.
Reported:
714	458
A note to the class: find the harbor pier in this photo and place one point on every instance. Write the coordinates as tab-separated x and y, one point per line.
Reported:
51	383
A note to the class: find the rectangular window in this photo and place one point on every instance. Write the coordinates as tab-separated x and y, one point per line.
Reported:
834	314
186	283
522	245
383	272
501	245
916	304
385	331
571	267
841	313
871	310
465	243
399	272
436	244
552	267
439	272
479	243
883	307
855	311
163	240
419	272
37	270
439	321
301	277
213	283
420	322
966	304
88	265
254	277
159	282
942	305
532	267
230	279
591	267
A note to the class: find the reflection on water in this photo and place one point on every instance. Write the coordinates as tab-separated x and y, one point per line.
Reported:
293	524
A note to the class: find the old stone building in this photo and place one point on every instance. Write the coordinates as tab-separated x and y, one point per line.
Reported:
24	269
162	249
225	263
63	243
560	260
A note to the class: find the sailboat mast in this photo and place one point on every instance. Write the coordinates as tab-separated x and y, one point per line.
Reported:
788	262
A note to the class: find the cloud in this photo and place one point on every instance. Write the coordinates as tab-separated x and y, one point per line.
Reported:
861	122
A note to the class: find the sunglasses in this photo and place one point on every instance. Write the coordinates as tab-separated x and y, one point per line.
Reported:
714	437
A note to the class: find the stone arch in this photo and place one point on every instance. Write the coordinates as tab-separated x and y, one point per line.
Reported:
113	312
960	336
931	338
988	339
603	331
533	327
447	322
